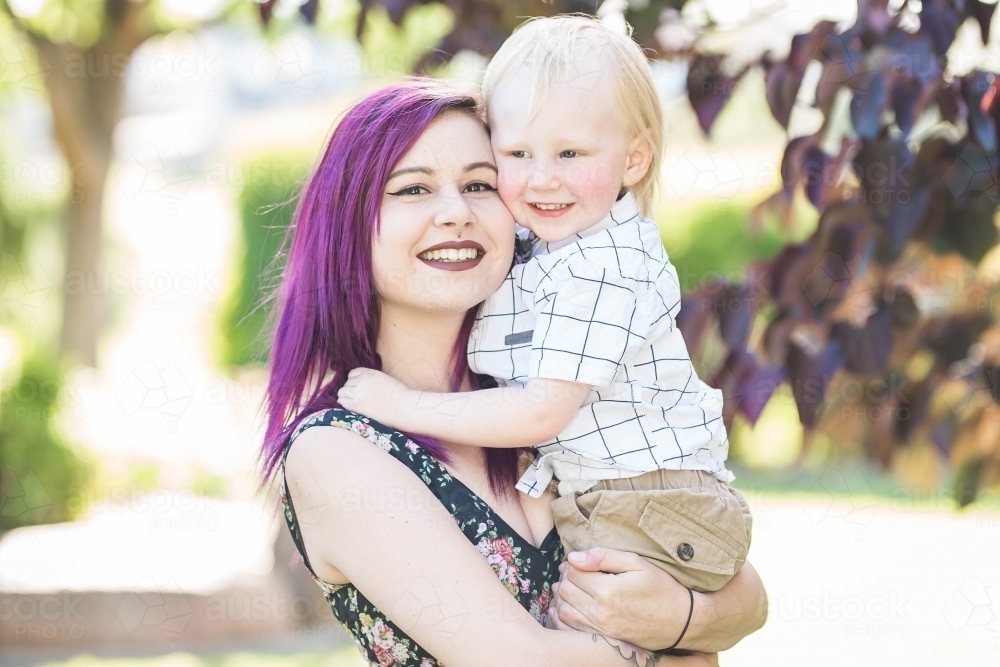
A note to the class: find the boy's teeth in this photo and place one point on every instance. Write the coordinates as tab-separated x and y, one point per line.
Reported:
550	207
450	254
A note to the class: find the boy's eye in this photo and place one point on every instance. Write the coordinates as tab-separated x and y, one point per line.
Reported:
410	190
518	154
480	187
569	153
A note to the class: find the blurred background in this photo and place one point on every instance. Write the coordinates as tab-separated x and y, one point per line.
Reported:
829	198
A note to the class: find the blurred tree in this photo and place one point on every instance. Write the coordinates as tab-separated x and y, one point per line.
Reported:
885	294
82	48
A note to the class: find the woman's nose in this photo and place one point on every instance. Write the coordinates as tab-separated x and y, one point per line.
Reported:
454	212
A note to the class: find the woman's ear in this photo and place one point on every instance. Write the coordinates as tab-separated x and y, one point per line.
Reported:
638	158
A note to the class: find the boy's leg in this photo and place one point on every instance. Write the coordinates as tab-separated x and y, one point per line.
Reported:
685	522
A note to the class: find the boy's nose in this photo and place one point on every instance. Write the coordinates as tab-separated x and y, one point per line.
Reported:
542	176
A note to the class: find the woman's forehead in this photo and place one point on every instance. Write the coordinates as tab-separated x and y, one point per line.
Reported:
452	141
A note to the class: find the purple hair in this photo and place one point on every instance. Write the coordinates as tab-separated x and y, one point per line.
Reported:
329	311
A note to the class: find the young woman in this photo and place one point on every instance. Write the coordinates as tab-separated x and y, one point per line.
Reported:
423	549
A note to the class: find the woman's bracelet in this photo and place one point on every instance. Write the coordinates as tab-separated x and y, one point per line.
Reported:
690	613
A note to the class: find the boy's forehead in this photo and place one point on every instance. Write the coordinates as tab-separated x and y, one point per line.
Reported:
575	87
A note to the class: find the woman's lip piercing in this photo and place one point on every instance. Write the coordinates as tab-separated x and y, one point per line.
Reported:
460	235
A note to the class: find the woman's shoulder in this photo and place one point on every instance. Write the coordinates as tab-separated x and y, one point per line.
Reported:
347	422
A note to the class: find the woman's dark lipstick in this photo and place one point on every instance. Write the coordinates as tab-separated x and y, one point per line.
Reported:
454	265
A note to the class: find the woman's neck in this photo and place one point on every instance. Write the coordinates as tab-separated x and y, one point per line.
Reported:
416	347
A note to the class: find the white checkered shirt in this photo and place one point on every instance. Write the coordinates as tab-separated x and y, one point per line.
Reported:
599	308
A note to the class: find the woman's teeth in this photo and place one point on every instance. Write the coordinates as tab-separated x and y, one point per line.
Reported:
550	207
450	254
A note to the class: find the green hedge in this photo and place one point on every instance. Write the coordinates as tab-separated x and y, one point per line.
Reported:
271	183
41	479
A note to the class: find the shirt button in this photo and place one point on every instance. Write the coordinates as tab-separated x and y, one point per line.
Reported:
685	551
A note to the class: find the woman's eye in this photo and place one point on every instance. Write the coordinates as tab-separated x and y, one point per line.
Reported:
480	187
569	153
411	190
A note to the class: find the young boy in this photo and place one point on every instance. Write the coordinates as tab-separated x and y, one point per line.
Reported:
582	336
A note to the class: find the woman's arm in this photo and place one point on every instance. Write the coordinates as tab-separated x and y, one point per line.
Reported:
621	595
502	417
364	513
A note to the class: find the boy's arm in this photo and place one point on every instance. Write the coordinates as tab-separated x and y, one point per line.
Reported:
502	417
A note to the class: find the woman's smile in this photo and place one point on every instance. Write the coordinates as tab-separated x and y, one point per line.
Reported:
453	255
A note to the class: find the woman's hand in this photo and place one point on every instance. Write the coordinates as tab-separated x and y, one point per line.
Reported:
378	396
619	594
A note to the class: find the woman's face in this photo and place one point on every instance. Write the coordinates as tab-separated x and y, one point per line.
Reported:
445	186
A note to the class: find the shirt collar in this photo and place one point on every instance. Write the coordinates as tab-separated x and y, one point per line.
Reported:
625	209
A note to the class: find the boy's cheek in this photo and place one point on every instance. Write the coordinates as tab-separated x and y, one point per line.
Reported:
510	191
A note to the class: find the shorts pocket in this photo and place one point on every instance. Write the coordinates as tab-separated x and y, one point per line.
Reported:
697	530
573	515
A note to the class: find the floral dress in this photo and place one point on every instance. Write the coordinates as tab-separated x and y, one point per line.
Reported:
524	570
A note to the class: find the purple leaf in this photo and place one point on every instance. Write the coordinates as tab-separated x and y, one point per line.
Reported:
810	374
784	79
905	94
308	10
693	320
814	162
979	91
905	216
866	350
758	385
866	108
735	310
940	23
709	88
727	380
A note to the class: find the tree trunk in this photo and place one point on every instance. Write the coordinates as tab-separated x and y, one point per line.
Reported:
84	298
85	87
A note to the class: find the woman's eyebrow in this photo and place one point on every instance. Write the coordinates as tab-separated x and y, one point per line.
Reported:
480	165
410	170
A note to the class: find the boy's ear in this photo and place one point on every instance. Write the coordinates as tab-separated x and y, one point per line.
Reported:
639	156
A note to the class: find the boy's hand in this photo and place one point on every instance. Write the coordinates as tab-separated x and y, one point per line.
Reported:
378	396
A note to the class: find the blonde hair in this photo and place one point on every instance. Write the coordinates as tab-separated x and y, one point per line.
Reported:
551	47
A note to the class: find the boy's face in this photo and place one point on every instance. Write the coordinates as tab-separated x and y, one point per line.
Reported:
560	172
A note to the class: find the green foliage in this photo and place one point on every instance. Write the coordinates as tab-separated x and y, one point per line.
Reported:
713	241
208	485
266	205
39	474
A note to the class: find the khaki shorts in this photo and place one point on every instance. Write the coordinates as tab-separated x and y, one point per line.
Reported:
685	522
